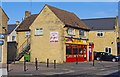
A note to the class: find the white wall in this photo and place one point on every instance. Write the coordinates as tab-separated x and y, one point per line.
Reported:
13	33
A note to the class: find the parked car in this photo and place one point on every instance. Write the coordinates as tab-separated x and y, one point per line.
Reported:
105	56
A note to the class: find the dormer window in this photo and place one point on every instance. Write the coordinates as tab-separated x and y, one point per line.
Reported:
81	32
71	31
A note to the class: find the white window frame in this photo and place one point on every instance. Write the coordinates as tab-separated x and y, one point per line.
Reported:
108	50
100	32
80	32
71	31
13	38
27	34
38	31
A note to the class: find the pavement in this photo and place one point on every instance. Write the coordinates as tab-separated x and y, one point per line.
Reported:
82	69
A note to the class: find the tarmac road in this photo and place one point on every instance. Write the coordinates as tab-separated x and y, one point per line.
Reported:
82	69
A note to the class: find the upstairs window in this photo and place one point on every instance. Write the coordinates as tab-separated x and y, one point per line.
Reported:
39	31
13	38
71	31
27	34
81	32
100	34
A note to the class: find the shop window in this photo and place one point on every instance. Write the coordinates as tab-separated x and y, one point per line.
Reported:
71	31
81	32
27	34
84	52
39	31
100	34
75	51
108	50
68	50
80	51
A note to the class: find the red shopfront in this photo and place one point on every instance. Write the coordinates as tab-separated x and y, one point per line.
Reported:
76	53
76	49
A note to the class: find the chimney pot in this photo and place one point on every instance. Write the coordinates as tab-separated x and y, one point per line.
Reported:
27	14
17	22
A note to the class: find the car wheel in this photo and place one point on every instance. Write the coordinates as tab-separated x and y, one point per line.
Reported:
113	60
98	58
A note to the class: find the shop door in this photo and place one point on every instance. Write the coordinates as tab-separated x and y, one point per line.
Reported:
69	56
81	53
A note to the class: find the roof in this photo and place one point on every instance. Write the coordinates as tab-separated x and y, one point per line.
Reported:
26	23
11	27
101	23
68	18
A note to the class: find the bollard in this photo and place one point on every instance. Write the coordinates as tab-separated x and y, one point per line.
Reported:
36	63
76	59
24	65
93	62
7	67
93	59
47	62
14	61
54	64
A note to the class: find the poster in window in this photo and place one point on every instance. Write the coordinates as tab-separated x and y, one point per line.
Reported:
53	36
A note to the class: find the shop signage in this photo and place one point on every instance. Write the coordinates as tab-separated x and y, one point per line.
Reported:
2	36
1	42
53	36
75	41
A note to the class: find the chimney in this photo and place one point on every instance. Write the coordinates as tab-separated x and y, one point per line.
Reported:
17	22
27	14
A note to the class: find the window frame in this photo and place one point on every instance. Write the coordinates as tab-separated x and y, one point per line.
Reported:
14	38
27	34
103	33
108	49
72	32
80	33
38	31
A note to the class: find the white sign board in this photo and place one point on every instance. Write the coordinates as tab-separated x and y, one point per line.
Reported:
53	36
2	36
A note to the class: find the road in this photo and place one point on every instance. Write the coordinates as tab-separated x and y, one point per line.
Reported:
101	69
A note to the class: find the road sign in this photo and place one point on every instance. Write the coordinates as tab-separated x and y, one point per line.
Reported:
1	42
2	36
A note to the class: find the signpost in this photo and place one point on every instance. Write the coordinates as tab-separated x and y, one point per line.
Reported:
2	36
3	71
1	42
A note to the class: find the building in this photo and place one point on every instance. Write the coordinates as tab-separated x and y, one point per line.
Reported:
3	32
53	34
105	34
11	42
11	32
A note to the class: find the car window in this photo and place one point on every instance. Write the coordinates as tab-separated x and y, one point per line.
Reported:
103	53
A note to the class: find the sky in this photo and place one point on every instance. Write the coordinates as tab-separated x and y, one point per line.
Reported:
84	10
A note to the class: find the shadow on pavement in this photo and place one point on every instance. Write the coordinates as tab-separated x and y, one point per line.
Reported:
116	74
